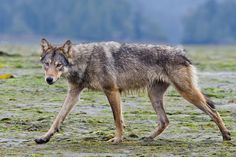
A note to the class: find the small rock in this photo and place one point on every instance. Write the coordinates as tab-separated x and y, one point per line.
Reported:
5	119
132	135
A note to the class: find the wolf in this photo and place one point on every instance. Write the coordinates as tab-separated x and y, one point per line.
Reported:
113	68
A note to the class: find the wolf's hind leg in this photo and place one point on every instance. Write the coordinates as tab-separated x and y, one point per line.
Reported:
156	93
189	90
70	101
113	97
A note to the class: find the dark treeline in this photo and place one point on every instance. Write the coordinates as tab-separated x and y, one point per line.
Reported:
79	19
212	23
191	22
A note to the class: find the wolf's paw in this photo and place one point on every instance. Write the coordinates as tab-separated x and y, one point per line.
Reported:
115	140
226	136
41	140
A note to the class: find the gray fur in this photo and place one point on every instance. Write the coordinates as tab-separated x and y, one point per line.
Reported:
126	66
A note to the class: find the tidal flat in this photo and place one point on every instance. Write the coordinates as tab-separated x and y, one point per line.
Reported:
28	107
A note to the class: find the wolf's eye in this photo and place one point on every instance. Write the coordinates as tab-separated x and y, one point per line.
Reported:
58	65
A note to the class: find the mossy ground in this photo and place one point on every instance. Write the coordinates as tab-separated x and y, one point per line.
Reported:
28	106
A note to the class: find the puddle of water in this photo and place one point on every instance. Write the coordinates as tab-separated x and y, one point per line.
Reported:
22	72
228	106
12	142
91	110
228	74
71	154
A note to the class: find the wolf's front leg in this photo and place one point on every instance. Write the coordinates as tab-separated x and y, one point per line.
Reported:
70	101
113	97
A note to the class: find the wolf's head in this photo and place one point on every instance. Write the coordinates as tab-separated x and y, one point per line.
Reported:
55	60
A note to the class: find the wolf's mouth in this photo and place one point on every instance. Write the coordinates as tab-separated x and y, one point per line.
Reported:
50	83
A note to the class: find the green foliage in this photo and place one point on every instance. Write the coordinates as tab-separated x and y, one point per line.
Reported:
213	22
80	19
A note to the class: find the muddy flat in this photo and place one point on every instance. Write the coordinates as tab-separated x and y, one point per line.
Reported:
28	106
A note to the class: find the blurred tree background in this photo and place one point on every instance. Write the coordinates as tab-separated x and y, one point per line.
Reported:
173	21
211	23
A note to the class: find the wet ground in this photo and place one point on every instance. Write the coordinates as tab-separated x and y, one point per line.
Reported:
28	106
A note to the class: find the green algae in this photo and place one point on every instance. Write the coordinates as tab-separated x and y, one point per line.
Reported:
28	107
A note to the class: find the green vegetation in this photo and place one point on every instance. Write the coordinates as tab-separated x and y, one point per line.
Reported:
213	58
28	106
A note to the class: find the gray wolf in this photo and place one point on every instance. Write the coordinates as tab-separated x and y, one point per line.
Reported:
114	68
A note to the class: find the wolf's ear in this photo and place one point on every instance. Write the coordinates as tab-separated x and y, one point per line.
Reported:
45	45
67	48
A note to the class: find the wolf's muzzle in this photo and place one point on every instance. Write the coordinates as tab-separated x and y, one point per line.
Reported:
49	80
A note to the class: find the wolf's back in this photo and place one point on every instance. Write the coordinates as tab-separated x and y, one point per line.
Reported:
128	66
150	55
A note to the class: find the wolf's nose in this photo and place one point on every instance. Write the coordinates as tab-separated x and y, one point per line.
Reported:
49	80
